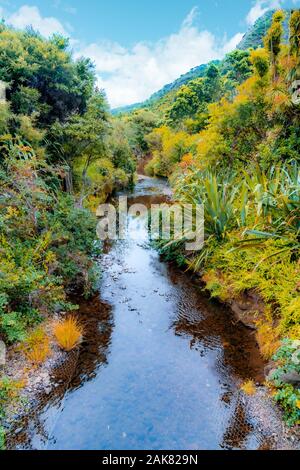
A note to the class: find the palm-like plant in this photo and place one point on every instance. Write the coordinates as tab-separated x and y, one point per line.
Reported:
277	203
226	203
218	206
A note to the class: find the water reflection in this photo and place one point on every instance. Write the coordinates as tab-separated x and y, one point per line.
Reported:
160	365
239	429
213	327
69	374
97	320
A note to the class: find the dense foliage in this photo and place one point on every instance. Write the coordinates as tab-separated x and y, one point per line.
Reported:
227	135
55	130
61	153
231	140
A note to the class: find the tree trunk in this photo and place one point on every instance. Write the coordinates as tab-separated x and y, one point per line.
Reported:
69	181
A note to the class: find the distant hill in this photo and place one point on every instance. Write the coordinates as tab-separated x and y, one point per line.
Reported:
255	35
253	38
196	72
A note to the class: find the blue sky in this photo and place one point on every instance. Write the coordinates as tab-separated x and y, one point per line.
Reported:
139	46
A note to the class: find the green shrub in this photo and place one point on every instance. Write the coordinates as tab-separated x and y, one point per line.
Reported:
2	438
288	358
9	392
46	246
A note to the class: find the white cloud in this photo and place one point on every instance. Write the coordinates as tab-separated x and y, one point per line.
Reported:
31	16
232	43
260	7
132	75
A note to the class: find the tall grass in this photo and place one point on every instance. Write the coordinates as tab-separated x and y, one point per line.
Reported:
266	204
225	202
36	346
68	333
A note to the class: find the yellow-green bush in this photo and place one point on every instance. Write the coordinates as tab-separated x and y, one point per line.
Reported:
276	279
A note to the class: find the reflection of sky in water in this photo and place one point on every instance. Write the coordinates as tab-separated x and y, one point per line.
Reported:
138	228
166	372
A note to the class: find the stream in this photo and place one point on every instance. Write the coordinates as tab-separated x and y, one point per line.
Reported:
161	364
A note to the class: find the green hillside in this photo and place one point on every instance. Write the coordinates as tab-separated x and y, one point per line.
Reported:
254	36
252	39
196	72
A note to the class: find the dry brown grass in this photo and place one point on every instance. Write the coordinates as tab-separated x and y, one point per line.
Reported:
68	333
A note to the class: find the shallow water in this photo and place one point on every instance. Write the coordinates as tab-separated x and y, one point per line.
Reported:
161	365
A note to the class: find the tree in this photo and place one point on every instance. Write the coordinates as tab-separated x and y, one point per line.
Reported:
141	123
121	152
187	102
81	137
295	43
213	85
237	66
43	77
191	100
260	61
273	39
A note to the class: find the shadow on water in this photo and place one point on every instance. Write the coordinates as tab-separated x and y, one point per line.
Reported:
160	366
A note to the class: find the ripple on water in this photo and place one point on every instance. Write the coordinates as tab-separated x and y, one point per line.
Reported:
160	366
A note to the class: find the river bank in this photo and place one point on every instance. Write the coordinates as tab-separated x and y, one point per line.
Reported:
161	365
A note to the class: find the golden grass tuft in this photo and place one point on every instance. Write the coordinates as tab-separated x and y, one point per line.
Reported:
39	353
248	388
68	333
36	347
